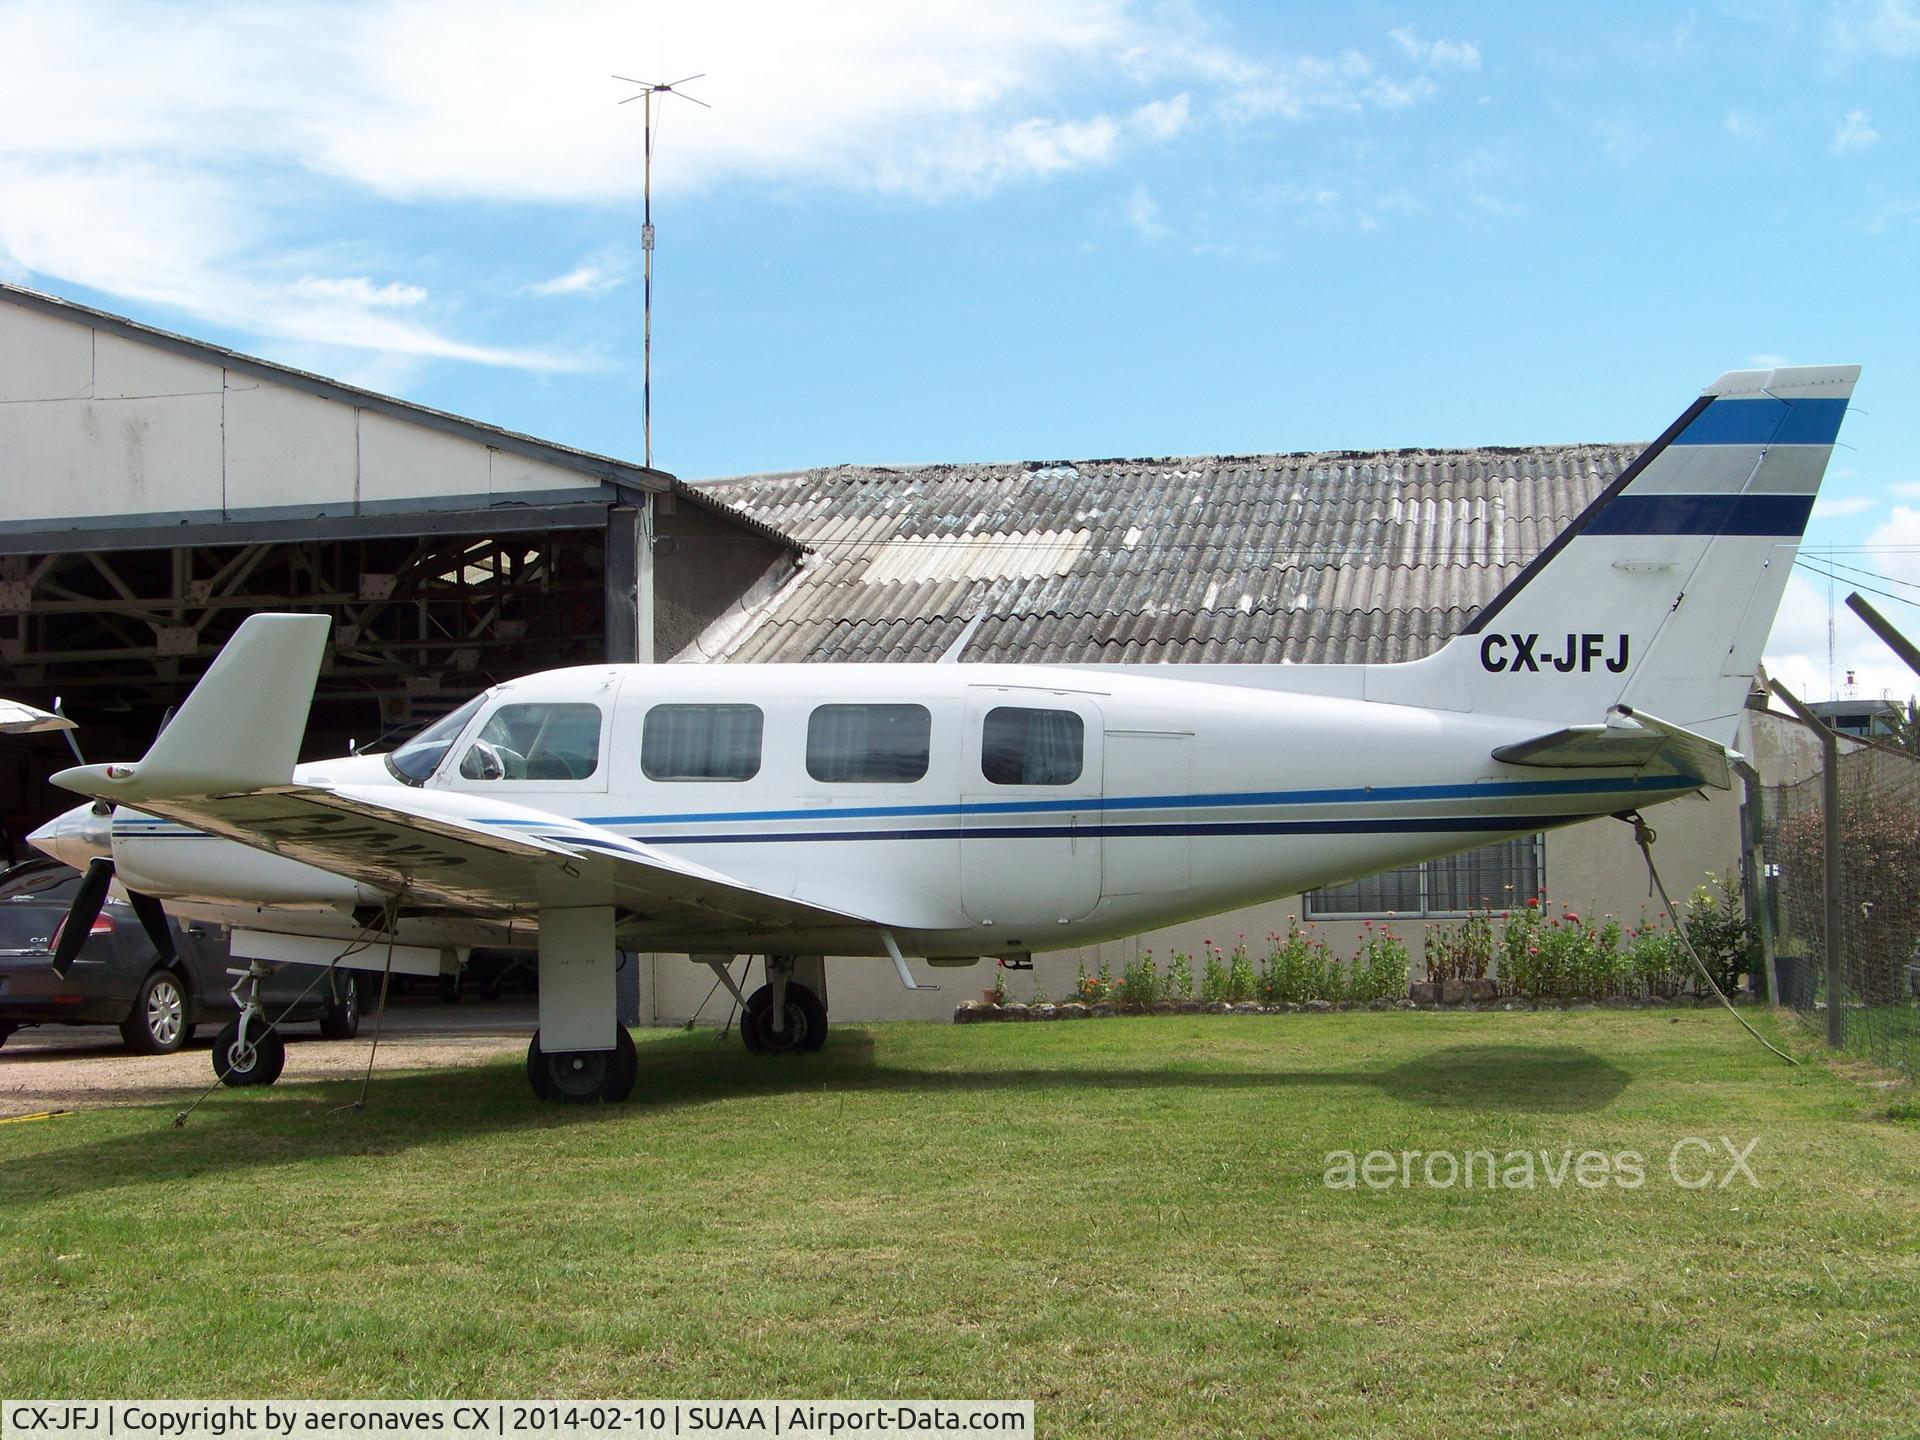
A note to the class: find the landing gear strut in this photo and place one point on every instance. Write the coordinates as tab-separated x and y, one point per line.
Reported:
581	1077
783	1017
247	1051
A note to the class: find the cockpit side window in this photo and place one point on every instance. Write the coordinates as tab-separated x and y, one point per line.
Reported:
536	741
414	761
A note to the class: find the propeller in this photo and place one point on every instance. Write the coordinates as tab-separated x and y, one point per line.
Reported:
87	902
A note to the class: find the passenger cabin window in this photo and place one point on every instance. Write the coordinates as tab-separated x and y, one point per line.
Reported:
536	742
1032	747
865	744
701	742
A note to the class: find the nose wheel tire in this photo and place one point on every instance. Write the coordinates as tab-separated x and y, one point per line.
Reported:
805	1028
260	1063
581	1077
157	1024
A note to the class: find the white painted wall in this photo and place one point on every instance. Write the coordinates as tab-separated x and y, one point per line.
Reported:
94	424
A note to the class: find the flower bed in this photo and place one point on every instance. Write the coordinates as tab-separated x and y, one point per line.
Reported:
1540	955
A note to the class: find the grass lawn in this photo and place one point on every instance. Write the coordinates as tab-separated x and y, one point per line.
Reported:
1127	1221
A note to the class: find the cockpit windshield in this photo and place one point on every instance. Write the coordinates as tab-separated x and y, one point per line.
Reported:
414	761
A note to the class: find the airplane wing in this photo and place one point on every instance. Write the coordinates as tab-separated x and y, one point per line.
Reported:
18	718
1630	740
481	856
225	765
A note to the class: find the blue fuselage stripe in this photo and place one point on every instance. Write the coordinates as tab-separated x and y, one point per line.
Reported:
1765	421
1782	515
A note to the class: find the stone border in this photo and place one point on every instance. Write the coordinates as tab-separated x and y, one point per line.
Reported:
976	1012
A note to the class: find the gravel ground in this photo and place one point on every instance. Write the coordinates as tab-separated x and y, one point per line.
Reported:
81	1067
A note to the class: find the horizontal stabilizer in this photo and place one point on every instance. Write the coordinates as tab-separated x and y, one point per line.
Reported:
1631	740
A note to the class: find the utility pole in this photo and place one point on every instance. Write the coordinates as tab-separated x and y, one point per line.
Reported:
649	89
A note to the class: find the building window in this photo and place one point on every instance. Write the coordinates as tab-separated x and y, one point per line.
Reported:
862	744
536	742
701	742
1494	877
1032	747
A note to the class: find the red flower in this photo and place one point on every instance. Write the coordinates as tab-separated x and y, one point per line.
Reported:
1532	904
1571	918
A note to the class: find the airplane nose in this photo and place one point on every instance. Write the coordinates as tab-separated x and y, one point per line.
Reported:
76	837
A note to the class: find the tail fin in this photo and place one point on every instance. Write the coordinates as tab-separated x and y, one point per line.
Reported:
1660	595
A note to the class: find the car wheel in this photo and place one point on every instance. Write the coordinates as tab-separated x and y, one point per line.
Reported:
158	1023
342	1018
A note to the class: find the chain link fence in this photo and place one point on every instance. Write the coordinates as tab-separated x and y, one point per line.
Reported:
1879	891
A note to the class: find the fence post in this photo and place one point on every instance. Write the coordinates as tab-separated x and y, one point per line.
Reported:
1830	801
1759	890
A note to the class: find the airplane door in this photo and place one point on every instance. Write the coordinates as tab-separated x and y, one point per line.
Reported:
1030	811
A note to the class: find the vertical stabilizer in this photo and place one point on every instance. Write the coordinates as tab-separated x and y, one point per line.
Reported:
1661	594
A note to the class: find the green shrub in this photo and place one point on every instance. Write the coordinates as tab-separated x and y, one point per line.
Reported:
1213	976
1298	969
1180	977
1139	987
1380	967
1242	984
1726	941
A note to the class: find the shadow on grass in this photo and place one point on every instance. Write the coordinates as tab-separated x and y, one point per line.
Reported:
235	1132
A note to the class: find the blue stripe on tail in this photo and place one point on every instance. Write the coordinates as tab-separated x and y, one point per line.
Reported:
1781	515
1765	421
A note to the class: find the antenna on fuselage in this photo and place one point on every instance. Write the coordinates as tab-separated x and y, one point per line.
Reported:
649	89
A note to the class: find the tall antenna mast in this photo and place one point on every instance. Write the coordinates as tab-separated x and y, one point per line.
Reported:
649	89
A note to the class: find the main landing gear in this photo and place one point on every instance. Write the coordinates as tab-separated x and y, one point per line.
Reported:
581	1077
783	1017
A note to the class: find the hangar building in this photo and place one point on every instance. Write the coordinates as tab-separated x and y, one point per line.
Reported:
157	489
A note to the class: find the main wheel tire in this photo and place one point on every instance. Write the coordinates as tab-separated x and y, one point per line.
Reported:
259	1064
341	1021
158	1023
537	1076
805	1029
581	1077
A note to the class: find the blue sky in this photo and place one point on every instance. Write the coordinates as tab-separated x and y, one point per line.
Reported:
999	229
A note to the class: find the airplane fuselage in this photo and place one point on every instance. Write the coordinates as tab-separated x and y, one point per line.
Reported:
1000	809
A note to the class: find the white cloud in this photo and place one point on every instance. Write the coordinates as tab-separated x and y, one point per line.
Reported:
1765	361
1833	507
1441	54
1741	125
583	279
1855	132
1908	489
1143	214
1890	28
163	153
1890	563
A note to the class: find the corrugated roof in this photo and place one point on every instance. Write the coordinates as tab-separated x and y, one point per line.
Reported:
1342	557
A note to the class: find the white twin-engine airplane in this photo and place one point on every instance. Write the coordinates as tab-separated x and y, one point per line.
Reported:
955	811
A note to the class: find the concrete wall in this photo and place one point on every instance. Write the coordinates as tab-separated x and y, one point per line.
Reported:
93	424
1594	867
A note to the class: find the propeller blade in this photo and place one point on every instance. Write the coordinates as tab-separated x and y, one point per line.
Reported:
153	919
72	744
87	901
